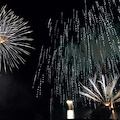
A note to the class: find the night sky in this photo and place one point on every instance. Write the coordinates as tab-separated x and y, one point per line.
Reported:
17	98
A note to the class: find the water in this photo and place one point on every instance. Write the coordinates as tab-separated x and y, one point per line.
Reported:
79	113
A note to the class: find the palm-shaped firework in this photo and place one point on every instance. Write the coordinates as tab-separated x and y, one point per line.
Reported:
105	95
13	40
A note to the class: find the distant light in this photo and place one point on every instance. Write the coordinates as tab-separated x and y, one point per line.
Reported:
70	104
69	101
2	39
107	104
70	114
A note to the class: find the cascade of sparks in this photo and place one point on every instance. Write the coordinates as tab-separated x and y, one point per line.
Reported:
78	50
13	39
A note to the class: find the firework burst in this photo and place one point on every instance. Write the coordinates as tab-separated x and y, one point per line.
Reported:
13	39
105	93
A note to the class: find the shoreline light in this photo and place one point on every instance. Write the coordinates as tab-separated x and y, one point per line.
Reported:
70	104
70	114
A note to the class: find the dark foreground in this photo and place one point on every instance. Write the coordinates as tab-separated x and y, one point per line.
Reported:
100	113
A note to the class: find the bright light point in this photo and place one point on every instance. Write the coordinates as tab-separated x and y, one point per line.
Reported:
2	39
113	115
69	101
70	114
107	104
70	104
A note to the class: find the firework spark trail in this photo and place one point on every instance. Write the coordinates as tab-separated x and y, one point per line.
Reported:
80	50
13	39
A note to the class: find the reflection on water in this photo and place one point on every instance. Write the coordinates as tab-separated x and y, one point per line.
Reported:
70	111
114	115
70	114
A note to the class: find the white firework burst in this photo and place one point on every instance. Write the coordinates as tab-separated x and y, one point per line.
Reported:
106	95
13	39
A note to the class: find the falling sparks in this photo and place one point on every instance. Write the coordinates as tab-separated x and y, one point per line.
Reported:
80	45
13	39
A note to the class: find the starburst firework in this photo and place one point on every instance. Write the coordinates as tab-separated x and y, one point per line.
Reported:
104	93
13	39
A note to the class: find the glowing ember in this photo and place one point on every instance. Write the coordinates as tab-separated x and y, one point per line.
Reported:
70	104
107	104
3	39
